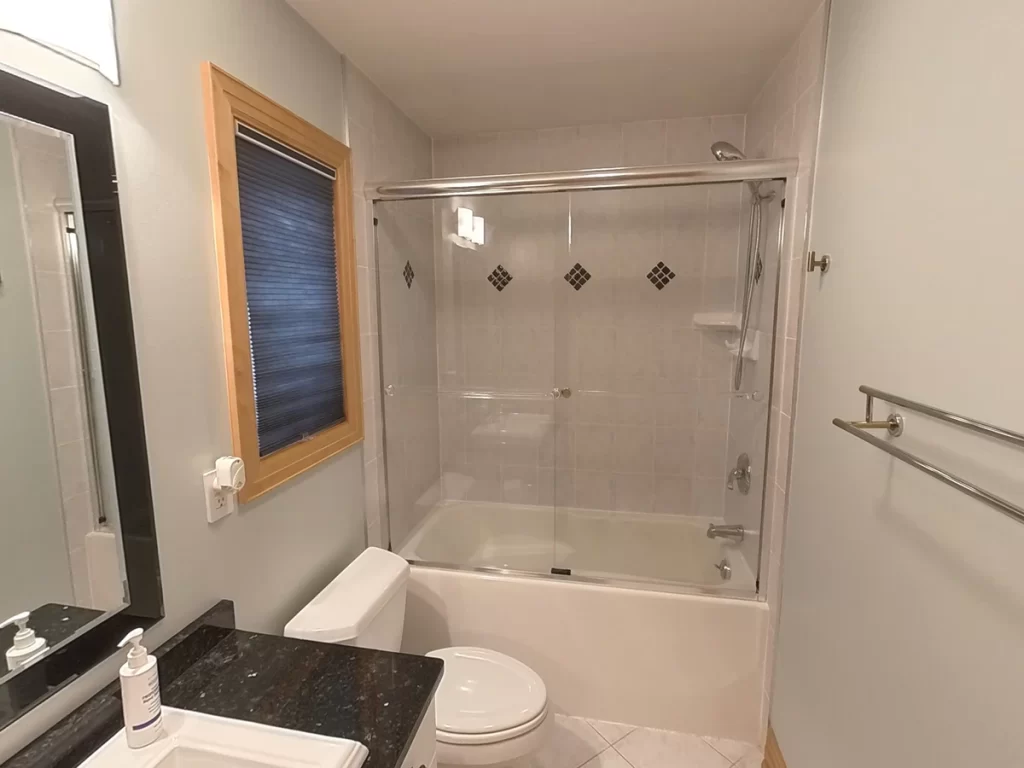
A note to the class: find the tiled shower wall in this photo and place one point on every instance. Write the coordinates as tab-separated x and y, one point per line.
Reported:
783	121
646	427
387	145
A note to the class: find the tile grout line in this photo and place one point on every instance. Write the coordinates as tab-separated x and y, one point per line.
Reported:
611	743
622	755
732	763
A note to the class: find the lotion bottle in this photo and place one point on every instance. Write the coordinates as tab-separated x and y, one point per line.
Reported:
27	647
140	694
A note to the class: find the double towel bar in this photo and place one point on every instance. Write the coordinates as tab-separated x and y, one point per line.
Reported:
893	425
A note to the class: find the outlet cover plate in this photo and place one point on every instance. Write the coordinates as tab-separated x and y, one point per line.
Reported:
219	504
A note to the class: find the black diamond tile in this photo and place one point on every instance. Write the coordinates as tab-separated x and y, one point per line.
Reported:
578	276
499	278
660	276
408	274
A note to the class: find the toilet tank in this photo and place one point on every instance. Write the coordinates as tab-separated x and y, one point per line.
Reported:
363	606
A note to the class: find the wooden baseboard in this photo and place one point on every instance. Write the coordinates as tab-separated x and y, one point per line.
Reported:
772	753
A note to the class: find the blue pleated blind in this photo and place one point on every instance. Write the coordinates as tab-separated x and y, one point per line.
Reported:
291	283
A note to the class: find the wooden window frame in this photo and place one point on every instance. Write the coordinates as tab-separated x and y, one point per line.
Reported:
227	100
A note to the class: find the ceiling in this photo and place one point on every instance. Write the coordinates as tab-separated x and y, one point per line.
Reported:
468	66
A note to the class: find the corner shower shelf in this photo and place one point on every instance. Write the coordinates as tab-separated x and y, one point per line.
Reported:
718	321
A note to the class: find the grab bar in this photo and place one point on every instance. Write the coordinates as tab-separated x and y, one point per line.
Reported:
894	426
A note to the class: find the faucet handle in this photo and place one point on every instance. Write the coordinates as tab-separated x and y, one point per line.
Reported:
740	475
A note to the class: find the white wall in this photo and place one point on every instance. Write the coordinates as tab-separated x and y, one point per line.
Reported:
903	603
283	547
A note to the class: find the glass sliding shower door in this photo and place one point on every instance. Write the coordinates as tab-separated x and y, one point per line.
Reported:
648	313
478	302
556	382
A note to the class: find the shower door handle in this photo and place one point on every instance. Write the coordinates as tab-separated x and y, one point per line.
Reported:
563	392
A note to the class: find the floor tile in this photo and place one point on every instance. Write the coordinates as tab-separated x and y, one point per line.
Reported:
751	761
648	748
608	759
733	750
611	732
570	743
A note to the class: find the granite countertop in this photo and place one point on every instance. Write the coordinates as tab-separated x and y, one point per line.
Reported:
373	697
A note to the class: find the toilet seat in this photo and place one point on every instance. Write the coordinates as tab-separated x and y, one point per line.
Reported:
493	737
486	697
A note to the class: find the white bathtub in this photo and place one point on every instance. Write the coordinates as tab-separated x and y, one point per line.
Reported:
656	654
620	546
681	662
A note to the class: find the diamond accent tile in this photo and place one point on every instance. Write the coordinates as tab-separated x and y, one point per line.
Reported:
408	274
499	278
661	275
578	276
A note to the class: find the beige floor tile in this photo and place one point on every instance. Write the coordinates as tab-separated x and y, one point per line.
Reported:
612	732
733	750
648	748
607	759
571	742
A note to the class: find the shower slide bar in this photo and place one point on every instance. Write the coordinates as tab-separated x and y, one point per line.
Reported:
894	426
594	179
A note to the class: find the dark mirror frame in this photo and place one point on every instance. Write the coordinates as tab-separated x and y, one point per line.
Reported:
88	122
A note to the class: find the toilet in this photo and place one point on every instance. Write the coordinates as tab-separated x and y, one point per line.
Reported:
490	708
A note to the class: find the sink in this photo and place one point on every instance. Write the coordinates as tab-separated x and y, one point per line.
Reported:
197	740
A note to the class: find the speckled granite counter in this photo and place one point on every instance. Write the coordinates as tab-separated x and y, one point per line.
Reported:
373	697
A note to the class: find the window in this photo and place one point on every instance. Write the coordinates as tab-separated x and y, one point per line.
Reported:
283	220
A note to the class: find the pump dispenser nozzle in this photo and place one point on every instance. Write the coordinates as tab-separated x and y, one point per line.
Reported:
137	654
27	647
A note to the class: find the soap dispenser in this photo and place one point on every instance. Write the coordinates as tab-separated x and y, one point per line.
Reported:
140	694
27	647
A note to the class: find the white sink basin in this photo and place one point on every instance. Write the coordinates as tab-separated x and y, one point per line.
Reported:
195	740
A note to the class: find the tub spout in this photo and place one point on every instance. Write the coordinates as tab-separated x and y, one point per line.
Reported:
734	532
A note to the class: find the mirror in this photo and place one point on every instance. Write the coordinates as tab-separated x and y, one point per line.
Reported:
62	562
77	545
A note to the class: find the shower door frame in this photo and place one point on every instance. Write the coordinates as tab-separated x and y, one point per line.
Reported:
783	170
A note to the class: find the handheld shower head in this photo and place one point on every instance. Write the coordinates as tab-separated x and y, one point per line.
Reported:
724	151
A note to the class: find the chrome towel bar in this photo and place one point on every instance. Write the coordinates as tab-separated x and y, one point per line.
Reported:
894	426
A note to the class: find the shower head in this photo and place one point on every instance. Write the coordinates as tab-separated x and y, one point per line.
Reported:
726	152
723	150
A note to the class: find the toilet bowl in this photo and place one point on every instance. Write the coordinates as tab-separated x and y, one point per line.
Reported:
490	708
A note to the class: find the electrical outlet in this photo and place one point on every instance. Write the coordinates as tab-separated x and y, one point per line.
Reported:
218	503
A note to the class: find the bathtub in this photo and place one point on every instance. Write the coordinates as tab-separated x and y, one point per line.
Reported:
661	551
660	654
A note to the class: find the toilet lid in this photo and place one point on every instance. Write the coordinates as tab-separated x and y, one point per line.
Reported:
483	691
